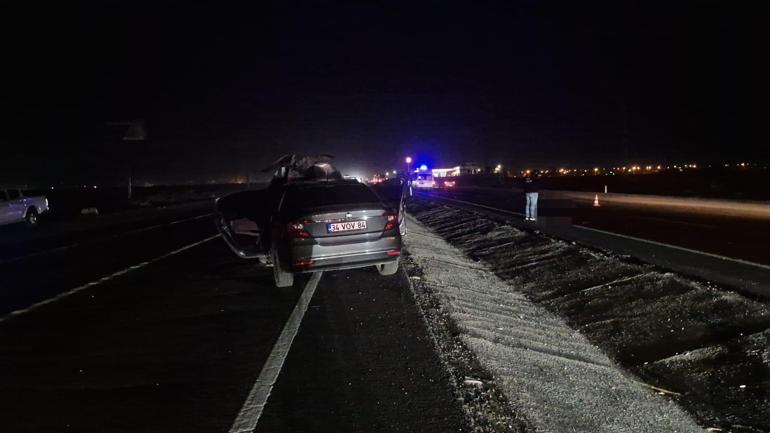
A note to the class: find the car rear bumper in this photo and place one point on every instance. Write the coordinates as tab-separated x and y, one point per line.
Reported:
309	258
349	261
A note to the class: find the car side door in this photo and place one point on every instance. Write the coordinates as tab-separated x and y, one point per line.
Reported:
16	206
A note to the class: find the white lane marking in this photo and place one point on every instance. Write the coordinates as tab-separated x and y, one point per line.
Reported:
102	280
471	203
255	403
661	244
117	236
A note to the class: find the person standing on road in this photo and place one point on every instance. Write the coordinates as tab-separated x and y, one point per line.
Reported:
531	187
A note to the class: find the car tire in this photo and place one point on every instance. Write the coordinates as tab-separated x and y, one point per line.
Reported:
31	218
389	268
281	277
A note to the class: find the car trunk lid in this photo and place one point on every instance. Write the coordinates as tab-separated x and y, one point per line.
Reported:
346	226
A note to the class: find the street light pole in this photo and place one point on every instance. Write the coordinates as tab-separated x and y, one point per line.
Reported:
408	161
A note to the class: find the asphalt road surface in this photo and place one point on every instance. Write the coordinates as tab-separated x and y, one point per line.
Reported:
149	323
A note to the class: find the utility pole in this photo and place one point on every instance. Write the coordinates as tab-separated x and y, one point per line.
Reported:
625	139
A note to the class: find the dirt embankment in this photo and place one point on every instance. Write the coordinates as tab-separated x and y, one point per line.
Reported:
706	347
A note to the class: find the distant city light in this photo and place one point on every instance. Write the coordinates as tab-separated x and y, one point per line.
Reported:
408	160
592	170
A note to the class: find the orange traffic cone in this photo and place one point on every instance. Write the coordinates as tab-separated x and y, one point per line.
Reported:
596	200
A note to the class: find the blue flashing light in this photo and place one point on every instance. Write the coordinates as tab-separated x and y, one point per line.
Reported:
423	167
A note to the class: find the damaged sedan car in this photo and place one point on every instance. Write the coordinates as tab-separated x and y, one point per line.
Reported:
311	219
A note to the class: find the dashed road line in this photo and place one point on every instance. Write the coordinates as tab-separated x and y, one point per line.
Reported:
255	403
103	280
109	238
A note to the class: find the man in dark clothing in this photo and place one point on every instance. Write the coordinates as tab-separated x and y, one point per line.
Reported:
531	187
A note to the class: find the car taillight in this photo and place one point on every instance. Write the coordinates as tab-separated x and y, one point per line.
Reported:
303	263
391	220
297	229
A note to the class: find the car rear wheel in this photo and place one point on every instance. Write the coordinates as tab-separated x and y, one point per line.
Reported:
281	277
387	268
31	217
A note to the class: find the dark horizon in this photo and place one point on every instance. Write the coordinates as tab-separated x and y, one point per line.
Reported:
225	90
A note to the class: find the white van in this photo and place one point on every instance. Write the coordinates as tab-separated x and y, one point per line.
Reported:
423	180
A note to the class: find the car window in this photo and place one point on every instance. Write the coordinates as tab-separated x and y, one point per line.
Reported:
13	194
313	197
389	191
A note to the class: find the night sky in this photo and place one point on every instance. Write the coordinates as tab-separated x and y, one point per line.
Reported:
224	90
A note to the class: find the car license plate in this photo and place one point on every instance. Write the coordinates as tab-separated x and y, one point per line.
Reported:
345	227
